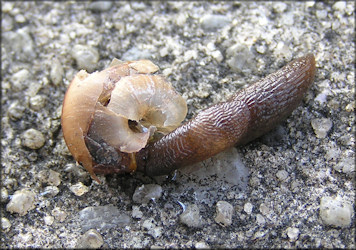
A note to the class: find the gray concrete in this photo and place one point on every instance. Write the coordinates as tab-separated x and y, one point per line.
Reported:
207	51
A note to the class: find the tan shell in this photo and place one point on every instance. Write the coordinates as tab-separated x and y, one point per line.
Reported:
132	93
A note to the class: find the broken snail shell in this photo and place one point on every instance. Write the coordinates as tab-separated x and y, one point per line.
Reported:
109	115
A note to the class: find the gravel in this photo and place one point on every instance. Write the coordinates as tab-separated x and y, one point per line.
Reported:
293	188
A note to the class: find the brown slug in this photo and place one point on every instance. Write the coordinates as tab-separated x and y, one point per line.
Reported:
107	136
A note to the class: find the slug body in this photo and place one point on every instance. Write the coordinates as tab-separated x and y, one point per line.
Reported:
107	142
245	116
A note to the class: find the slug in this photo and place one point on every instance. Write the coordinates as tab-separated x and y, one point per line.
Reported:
109	129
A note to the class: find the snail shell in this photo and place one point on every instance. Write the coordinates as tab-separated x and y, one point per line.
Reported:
107	116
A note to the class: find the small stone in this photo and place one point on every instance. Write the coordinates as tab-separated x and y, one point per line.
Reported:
5	224
240	58
248	208
136	213
37	102
20	18
21	202
79	189
279	7
57	72
214	22
19	80
102	217
90	239
346	165
54	178
217	56
33	139
264	209
191	216
86	57
59	215
350	107
100	6
321	14
321	127
135	54
190	55
48	220
152	229
148	224
21	43
147	192
15	111
336	211
340	5
293	233
282	175
260	219
50	191
224	211
201	245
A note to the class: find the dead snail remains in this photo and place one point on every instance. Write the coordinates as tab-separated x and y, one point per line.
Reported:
108	117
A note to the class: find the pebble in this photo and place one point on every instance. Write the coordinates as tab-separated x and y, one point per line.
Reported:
7	23
136	213
147	192
214	22
201	245
50	191
33	139
346	165
56	73
321	126
102	217
5	224
59	215
340	5
336	211
21	43
151	228
15	111
20	79
48	220
90	239
293	233
79	189
54	178
240	58
248	208
264	209
321	14
50	176
282	175
21	202
224	212
37	102
279	7
86	57
191	217
100	6
260	219
135	54
217	56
